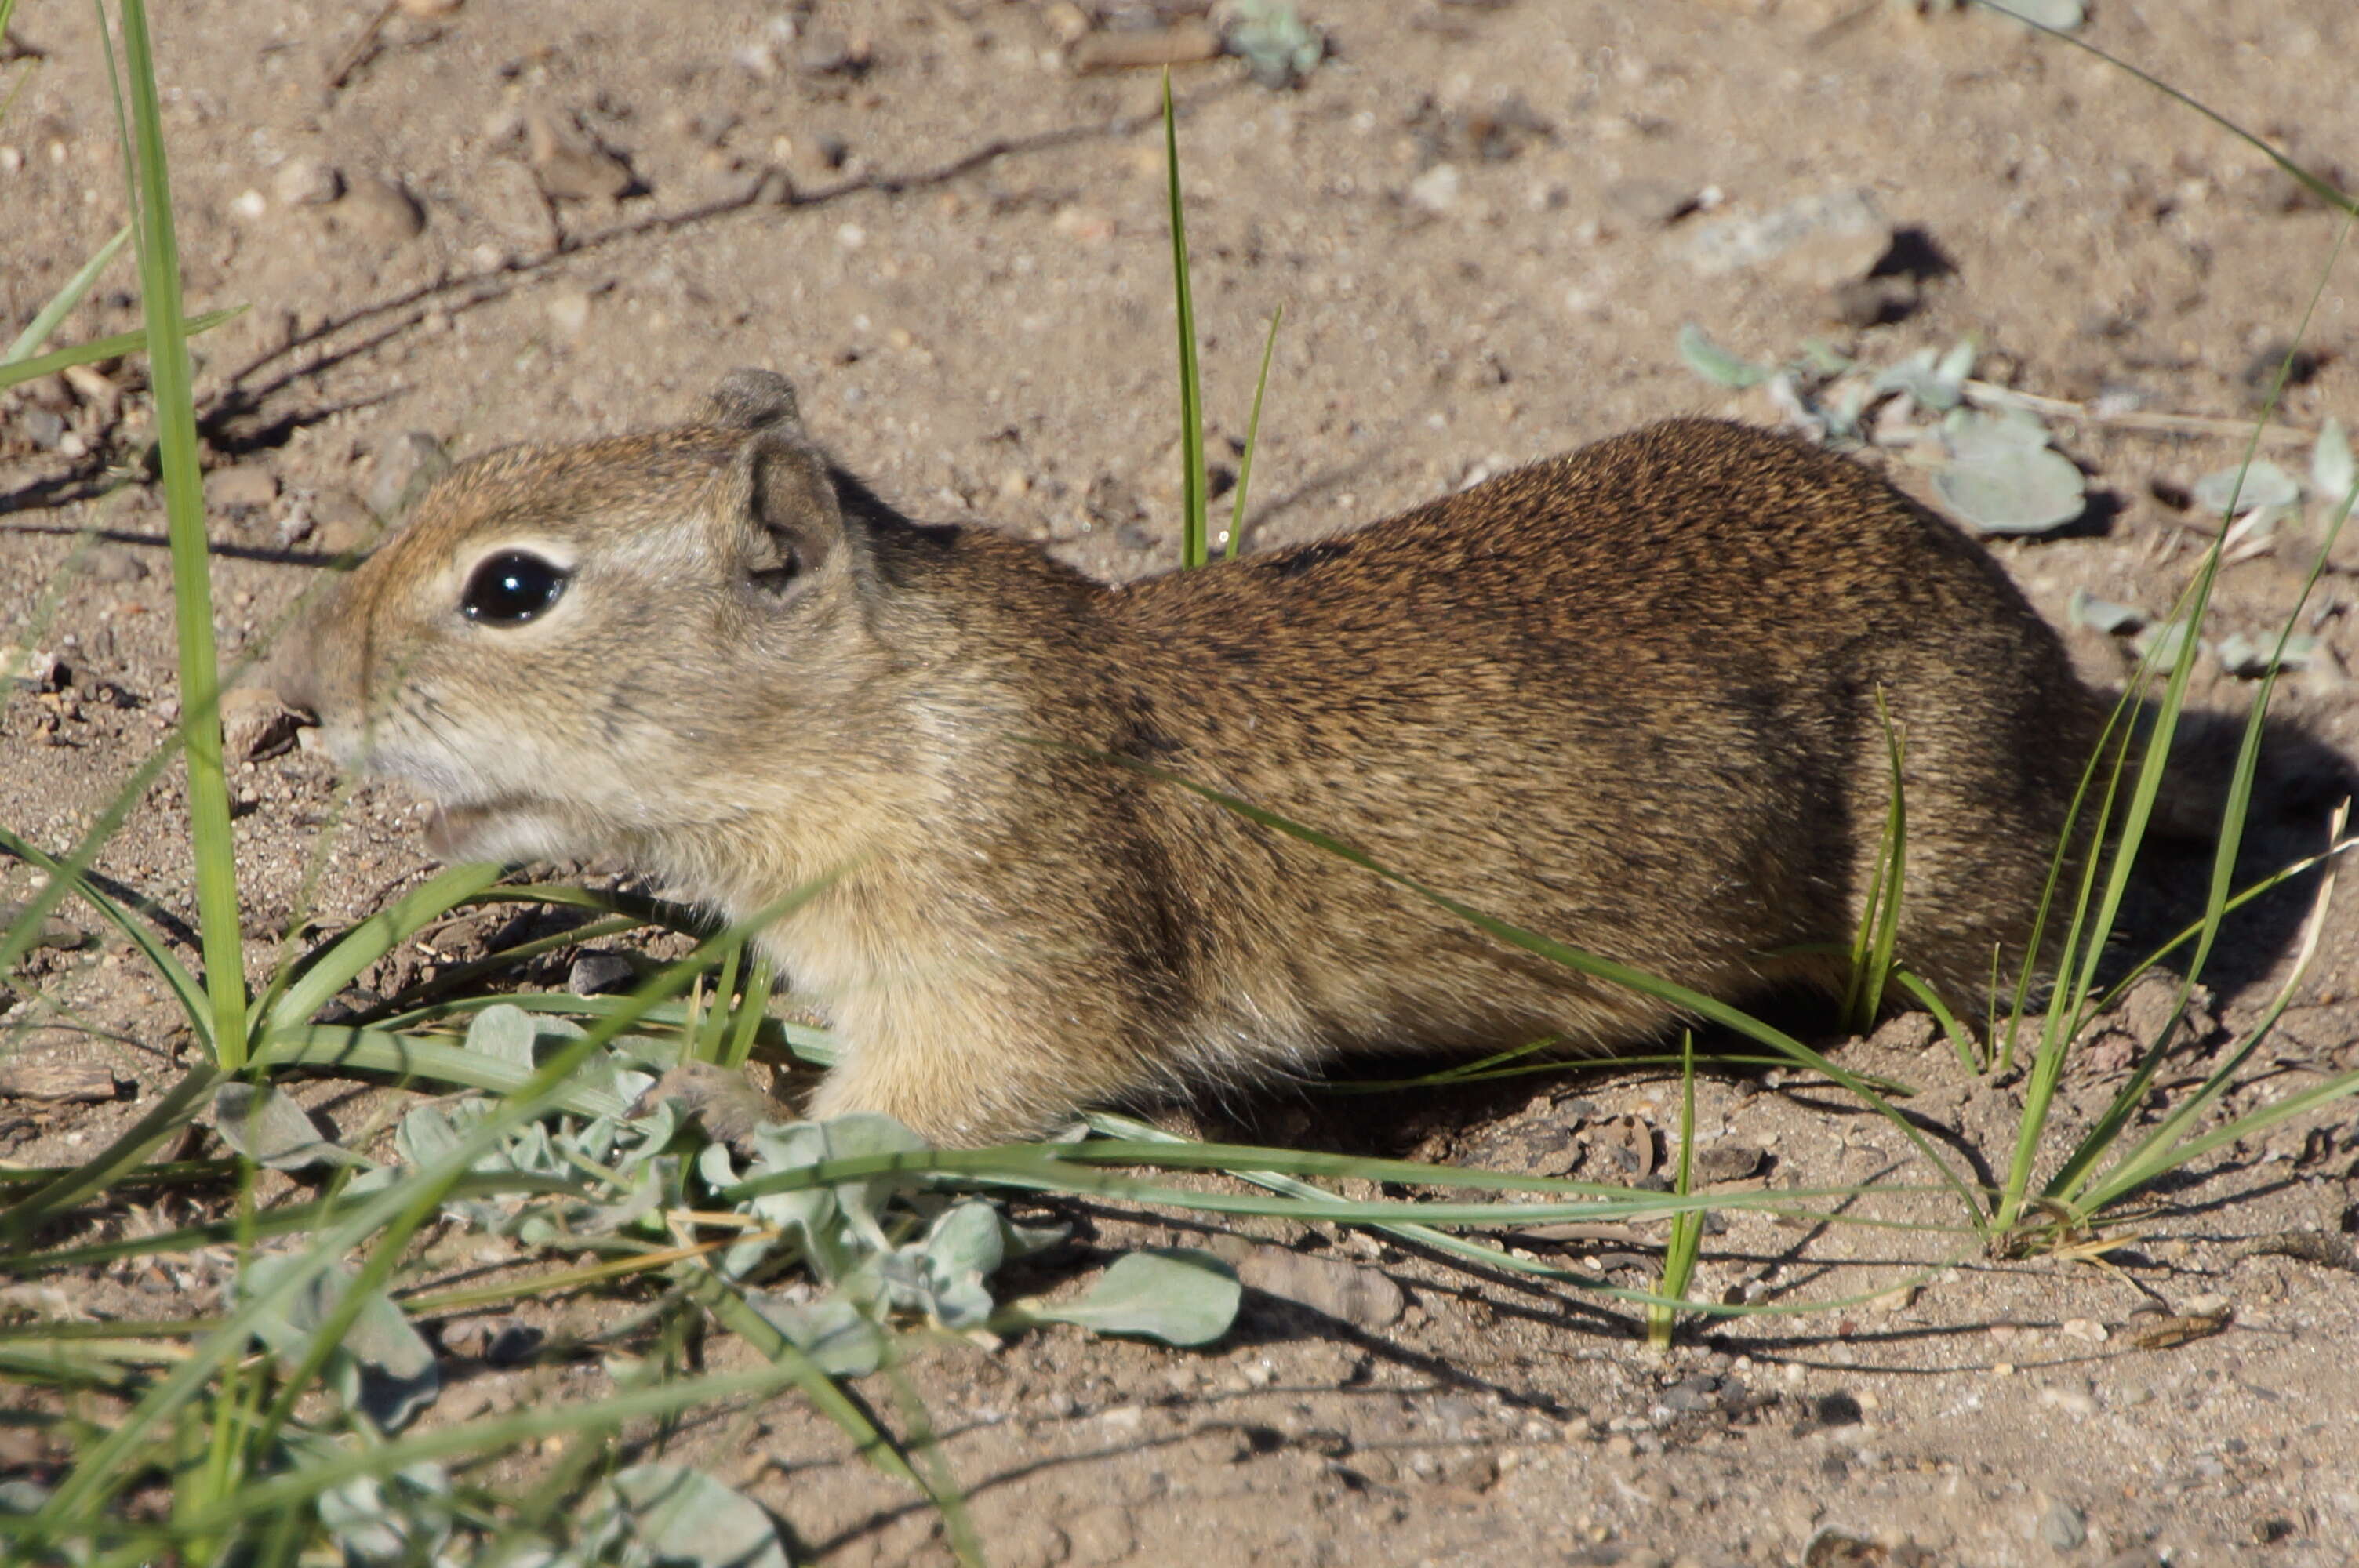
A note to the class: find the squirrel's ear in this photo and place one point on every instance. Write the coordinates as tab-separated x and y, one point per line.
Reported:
782	491
755	400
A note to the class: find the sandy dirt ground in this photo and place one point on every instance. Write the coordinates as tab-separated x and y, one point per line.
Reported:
1485	221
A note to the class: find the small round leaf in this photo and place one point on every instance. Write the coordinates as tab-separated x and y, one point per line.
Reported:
2018	491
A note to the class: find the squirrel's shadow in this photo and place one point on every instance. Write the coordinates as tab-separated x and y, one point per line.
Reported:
2298	781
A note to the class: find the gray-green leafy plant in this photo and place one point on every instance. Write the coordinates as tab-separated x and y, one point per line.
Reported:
1277	46
1991	455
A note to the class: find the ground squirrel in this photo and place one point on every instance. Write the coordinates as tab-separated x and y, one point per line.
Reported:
1626	697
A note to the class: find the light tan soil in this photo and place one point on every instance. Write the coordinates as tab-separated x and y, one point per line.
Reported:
971	289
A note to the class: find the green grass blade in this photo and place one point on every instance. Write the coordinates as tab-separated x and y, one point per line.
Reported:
2091	929
1192	551
171	382
71	870
1475	1071
1253	437
7	13
242	1229
46	321
645	911
576	1419
136	931
2232	827
2161	1149
1686	1241
2147	1165
110	348
706	1287
1879	922
816	1046
1322	1203
409	1057
2243	896
1077	1167
338	962
752	1011
925	1449
458	977
2065	1022
2113	741
1929	1000
2219	900
75	1183
709	1036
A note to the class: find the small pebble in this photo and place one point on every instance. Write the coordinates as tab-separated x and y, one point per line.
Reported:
41	1075
42	427
571	167
509	194
406	464
1364	1298
1837	1409
1436	190
513	1346
256	723
341	524
381	213
114	563
94	387
595	972
1645	200
1727	1162
304	181
828	53
1692	1394
2064	1527
1080	224
242	487
1130	50
731	1108
56	935
1819	241
569	311
248	205
1871	301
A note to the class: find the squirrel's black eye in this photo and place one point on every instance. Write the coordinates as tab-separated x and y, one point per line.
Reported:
511	588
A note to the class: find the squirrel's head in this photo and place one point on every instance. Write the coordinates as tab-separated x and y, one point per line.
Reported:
575	649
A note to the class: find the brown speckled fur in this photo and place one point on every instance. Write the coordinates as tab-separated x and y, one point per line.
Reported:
1625	697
